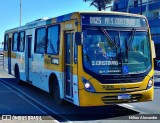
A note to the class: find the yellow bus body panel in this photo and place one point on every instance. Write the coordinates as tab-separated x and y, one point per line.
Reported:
95	99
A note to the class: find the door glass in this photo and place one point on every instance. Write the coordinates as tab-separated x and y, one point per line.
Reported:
28	56
68	77
68	49
68	66
29	46
75	50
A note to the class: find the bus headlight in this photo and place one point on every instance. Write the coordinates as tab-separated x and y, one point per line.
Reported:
150	83
87	85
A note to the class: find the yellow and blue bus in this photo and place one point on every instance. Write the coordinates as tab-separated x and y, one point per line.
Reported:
86	58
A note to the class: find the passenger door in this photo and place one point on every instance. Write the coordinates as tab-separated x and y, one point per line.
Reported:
69	64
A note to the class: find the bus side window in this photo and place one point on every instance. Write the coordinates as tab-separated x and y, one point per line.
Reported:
53	40
21	43
40	40
15	42
6	42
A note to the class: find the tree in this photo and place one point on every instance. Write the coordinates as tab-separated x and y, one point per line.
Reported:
99	4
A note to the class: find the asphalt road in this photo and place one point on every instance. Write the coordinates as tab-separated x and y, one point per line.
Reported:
28	100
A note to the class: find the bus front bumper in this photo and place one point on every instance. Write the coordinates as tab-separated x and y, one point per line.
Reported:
100	99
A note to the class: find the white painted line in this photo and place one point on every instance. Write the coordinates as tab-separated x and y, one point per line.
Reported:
56	121
24	99
39	103
131	108
127	105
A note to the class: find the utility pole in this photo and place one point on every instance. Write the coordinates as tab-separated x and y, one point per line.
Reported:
20	12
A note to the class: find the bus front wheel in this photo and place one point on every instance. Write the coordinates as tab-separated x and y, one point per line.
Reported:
55	91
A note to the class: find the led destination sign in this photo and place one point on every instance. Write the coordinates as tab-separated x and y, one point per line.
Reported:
113	21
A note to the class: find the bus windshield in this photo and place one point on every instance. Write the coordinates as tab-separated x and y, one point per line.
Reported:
106	51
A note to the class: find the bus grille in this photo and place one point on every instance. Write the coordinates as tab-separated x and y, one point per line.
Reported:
114	99
123	80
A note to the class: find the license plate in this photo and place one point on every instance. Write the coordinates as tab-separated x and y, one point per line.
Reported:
124	97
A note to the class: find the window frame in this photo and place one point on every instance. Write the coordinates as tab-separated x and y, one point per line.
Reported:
13	41
23	40
59	28
35	42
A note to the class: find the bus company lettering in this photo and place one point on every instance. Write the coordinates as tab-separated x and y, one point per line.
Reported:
109	63
95	20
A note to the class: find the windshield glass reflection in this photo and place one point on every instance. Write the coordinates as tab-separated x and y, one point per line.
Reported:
117	52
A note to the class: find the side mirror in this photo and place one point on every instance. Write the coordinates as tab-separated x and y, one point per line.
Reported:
78	38
153	49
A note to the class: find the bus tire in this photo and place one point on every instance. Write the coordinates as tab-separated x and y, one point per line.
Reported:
55	91
16	74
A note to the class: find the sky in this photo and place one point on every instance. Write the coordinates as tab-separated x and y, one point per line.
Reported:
35	9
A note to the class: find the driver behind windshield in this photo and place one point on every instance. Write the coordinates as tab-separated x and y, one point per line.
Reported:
93	50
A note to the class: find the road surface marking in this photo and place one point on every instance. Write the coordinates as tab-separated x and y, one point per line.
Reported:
24	98
131	108
37	102
128	105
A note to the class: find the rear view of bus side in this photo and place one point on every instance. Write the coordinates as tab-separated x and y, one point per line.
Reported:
86	58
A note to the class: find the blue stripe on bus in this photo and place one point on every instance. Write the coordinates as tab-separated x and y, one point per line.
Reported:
63	18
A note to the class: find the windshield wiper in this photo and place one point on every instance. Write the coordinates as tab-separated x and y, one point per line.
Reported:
108	37
130	40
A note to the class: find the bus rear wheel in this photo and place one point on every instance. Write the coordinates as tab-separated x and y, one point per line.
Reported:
17	76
